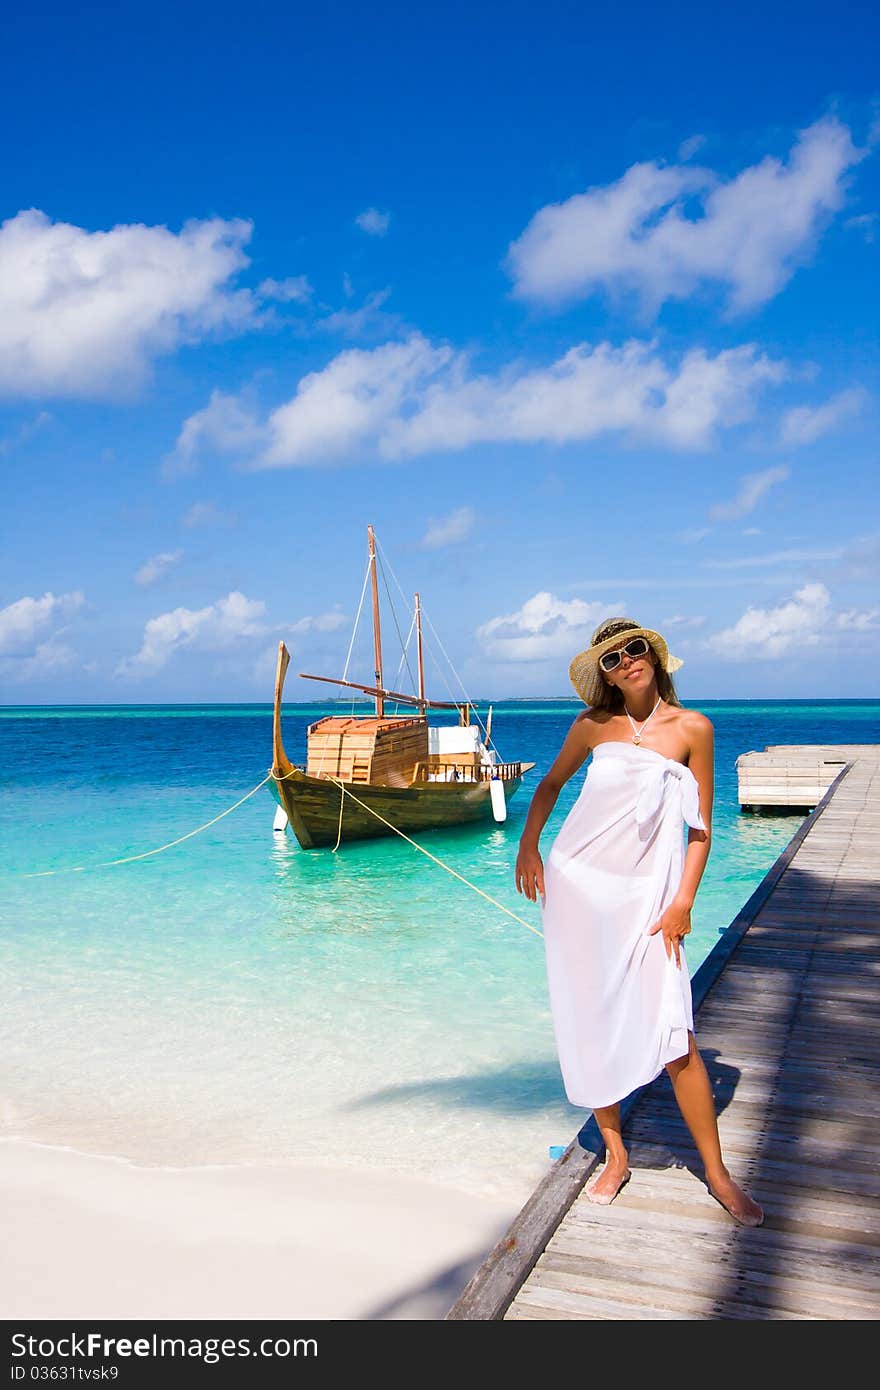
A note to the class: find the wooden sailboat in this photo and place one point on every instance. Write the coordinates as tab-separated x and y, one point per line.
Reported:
367	775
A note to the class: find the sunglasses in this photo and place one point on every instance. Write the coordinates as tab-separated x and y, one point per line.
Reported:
609	661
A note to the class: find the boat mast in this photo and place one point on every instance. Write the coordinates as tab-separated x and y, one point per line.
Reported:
377	635
419	644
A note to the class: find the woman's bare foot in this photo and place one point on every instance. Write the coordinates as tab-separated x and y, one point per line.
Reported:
736	1203
609	1182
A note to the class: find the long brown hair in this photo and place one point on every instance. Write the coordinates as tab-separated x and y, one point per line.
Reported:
611	697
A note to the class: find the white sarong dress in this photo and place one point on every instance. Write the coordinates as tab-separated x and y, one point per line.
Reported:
621	1007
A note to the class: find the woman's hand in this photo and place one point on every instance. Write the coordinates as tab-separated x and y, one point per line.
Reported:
675	923
529	871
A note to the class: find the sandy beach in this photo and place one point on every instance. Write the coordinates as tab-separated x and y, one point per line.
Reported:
86	1236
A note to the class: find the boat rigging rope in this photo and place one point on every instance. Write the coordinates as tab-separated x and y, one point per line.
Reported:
403	645
356	621
403	659
386	563
339	698
345	792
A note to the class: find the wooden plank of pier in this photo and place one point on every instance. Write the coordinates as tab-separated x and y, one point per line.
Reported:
792	775
787	1014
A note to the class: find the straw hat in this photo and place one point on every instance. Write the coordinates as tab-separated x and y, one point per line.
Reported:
584	670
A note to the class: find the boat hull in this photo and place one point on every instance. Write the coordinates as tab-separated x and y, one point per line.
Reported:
312	806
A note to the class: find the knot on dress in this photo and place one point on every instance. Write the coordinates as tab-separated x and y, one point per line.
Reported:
658	782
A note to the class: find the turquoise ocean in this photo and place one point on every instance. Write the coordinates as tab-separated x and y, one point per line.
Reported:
238	1000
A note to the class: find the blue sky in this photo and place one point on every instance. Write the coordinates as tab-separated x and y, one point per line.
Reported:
577	305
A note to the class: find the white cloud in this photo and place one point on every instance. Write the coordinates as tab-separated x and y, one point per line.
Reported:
806	423
25	622
751	489
373	222
321	622
295	289
866	223
25	432
774	557
588	392
352	401
220	624
348	403
449	530
369	321
49	658
263	670
225	424
206	514
411	398
748	234
84	313
766	633
688	148
683	620
859	620
661	580
861	559
154	569
544	628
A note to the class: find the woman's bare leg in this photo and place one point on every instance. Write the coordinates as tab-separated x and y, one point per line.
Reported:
693	1092
616	1166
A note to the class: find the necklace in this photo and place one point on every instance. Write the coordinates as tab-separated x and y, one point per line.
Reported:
637	732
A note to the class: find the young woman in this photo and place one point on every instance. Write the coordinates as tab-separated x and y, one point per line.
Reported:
617	893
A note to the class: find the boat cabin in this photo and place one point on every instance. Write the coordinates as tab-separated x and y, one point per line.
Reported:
394	752
383	750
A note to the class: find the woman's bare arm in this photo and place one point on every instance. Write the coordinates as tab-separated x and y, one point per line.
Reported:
573	753
675	921
701	761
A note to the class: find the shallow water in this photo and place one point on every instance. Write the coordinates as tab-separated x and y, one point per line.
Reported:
239	1000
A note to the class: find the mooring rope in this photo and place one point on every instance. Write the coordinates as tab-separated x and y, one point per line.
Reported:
345	792
271	776
130	858
339	826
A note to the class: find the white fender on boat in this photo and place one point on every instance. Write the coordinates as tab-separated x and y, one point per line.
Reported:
279	824
499	805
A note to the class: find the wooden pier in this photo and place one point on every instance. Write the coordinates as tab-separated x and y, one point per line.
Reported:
787	1022
794	776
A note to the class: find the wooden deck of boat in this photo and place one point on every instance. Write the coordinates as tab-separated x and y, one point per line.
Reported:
787	1023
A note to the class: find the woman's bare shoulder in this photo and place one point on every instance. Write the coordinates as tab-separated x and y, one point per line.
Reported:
692	719
591	721
595	716
698	730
